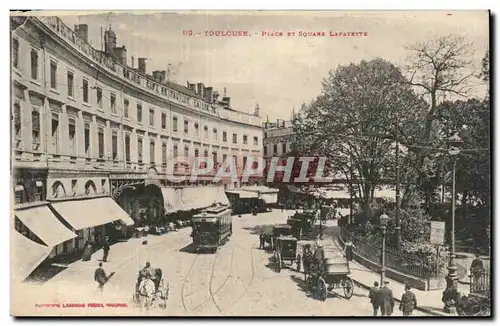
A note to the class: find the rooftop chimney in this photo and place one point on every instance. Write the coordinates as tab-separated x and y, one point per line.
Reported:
208	94
120	54
257	110
133	62
82	31
191	87
200	89
226	102
142	65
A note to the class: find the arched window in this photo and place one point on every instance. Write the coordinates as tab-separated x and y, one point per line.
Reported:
58	190
90	188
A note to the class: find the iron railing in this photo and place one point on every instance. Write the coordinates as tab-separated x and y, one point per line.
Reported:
480	283
404	263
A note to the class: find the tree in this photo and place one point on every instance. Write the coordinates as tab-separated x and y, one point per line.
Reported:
353	123
437	67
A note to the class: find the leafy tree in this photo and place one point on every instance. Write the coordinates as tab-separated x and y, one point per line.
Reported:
353	123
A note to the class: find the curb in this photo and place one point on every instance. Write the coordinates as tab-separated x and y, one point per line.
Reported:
426	310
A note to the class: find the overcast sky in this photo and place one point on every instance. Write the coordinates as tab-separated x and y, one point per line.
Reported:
278	73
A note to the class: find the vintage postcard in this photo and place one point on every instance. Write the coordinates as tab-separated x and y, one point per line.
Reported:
250	163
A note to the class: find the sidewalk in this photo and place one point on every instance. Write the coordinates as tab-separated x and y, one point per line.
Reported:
428	301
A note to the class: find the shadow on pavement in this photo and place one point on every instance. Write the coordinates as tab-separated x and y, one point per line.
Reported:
190	249
44	273
258	229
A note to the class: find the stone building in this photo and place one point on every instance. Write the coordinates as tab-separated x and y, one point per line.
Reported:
90	132
277	137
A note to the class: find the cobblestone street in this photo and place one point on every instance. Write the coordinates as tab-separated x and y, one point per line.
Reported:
238	280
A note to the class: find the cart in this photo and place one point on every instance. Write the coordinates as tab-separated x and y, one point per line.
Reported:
301	222
331	274
278	230
285	250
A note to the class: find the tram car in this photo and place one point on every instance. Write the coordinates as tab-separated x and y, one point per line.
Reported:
212	228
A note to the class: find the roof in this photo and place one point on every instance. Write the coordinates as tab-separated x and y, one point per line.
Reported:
262	189
281	226
287	237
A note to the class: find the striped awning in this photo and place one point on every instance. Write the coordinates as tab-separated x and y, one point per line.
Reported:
188	198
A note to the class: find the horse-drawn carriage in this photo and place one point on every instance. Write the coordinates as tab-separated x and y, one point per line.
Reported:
327	212
285	249
277	231
328	274
302	222
148	294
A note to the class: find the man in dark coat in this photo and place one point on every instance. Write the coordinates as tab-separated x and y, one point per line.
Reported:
476	269
408	301
374	296
105	249
100	277
387	300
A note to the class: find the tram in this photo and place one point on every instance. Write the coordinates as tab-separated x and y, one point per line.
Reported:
212	228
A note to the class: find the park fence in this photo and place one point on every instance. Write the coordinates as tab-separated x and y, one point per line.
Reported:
404	263
480	283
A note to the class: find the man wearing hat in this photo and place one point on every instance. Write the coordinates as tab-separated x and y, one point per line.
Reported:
319	255
374	297
408	301
387	300
105	249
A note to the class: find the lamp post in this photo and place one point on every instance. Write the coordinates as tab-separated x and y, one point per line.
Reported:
455	143
383	222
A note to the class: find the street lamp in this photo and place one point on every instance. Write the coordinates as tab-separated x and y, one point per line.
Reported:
455	143
383	222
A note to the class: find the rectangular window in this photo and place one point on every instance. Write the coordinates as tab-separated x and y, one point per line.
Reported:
224	136
215	133
186	151
55	133
176	150
174	124
72	138
163	121
164	154
275	149
214	158
235	161
85	87
151	117
245	139
196	153
70	84
35	127
205	131
235	138
244	161
186	126
99	97
17	120
114	145
100	139
152	152
139	113
256	141
125	108
265	150
196	130
283	148
127	148
87	140
224	158
15	52
112	100
53	75
139	149
34	64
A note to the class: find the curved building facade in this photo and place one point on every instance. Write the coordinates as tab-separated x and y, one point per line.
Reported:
87	126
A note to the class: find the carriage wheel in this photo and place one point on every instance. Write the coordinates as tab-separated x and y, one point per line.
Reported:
321	290
299	263
348	287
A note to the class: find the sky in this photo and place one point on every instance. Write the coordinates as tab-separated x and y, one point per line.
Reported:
278	73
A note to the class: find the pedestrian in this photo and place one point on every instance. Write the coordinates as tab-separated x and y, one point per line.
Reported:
261	240
387	300
100	277
476	269
88	249
408	301
349	250
374	296
105	249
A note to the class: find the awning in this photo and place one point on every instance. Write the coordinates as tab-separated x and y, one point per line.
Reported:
188	198
45	225
260	189
114	209
294	189
82	214
243	194
26	255
269	198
